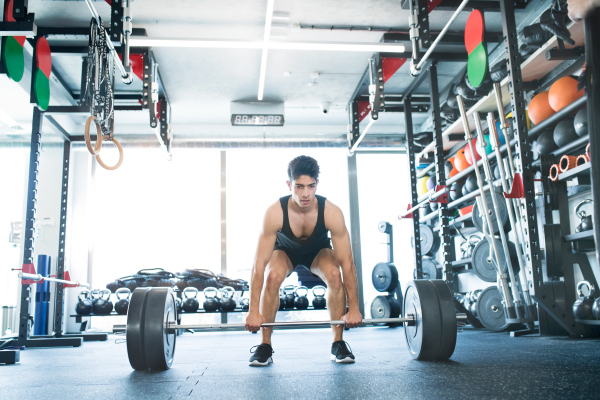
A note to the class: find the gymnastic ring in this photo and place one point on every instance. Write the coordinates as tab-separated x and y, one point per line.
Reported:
96	150
116	142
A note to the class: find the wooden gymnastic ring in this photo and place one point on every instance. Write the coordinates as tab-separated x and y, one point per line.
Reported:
567	162
587	151
96	150
118	164
582	159
554	176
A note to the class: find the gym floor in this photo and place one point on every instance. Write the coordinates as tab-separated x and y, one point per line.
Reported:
485	365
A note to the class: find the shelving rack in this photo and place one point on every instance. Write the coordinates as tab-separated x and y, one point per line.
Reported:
535	74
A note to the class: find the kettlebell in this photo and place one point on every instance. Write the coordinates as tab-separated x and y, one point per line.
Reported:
319	302
596	308
282	301
95	296
85	305
582	308
122	304
301	299
103	305
190	304
245	303
289	296
211	303
586	223
227	301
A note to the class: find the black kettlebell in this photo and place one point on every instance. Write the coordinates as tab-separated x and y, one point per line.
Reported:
95	296
122	304
211	302
289	296
245	303
319	302
85	305
227	301
596	308
103	305
301	300
190	304
586	223
281	299
582	308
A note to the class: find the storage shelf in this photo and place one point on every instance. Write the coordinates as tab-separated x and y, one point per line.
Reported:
534	68
201	311
581	170
587	322
579	236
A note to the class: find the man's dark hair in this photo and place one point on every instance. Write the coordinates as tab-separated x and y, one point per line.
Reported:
303	165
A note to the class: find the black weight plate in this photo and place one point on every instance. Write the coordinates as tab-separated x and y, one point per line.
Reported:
424	335
448	317
485	267
430	269
385	277
381	308
159	344
430	242
135	329
490	310
478	218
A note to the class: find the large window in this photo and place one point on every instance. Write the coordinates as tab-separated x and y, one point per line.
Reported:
256	179
384	191
152	213
14	162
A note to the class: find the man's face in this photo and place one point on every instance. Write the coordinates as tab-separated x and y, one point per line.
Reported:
303	190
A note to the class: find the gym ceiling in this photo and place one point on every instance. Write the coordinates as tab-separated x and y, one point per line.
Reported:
202	82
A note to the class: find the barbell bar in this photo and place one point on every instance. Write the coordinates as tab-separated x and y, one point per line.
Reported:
39	279
430	324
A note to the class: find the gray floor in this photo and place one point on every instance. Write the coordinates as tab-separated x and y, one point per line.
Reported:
214	365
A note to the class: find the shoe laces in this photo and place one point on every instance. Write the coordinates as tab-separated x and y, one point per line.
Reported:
343	345
256	348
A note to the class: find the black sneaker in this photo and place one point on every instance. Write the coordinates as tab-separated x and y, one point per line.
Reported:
341	352
261	355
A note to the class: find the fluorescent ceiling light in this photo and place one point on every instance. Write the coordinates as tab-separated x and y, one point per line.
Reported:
241	44
265	50
281	15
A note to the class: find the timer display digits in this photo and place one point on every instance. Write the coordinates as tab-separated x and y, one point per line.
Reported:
257	120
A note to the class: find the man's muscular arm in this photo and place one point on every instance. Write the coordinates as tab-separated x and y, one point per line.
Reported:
340	238
266	241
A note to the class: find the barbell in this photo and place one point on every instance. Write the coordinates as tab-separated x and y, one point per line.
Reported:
430	324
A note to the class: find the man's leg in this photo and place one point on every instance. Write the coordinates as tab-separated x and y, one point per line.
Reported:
277	270
326	267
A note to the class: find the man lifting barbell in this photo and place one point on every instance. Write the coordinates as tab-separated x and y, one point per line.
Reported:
295	232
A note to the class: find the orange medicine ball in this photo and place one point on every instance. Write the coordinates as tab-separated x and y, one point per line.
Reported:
563	92
460	162
539	108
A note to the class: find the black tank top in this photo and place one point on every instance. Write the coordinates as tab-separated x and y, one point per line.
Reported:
319	239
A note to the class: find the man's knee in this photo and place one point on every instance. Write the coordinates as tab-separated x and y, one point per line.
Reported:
275	277
333	278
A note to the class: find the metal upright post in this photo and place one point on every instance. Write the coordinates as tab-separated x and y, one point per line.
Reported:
355	228
446	238
412	170
224	221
